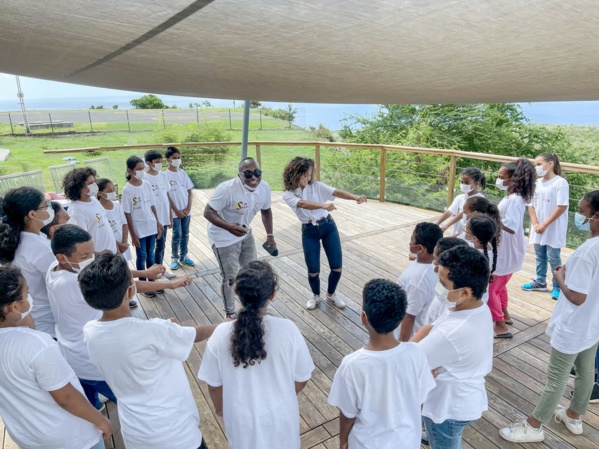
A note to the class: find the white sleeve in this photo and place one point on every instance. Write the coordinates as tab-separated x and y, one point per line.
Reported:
291	199
220	198
343	393
267	201
120	213
438	349
210	371
52	371
562	193
79	215
514	214
303	360
187	182
579	273
126	201
324	191
455	205
417	299
43	262
175	341
427	381
150	192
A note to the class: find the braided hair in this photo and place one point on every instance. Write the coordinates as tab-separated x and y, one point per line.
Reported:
483	206
484	229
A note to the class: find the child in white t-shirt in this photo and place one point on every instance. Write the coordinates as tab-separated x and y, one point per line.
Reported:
142	361
473	182
255	366
481	234
41	400
116	217
379	389
419	279
459	347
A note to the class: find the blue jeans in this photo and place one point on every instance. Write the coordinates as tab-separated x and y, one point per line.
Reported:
312	234
145	253
92	388
99	445
180	237
546	254
597	365
160	244
447	435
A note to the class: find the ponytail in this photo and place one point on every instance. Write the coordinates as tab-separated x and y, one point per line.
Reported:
552	157
131	164
522	178
12	284
255	284
484	229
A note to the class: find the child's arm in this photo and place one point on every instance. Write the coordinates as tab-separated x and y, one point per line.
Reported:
407	327
453	221
533	217
123	245
345	426
573	296
299	386
444	217
309	205
216	395
27	322
177	212
76	404
145	286
349	196
159	227
421	333
557	212
187	210
204	332
134	238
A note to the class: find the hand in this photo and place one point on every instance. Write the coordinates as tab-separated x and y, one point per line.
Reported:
361	199
155	271
559	274
179	282
237	230
122	246
160	229
105	427
135	241
186	211
179	214
434	372
540	228
329	207
173	320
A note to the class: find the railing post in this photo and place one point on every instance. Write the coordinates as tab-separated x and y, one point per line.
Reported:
383	174
12	130
128	122
258	155
451	180
51	124
91	127
317	162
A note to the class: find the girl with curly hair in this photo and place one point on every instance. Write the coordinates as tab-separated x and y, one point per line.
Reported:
260	360
309	200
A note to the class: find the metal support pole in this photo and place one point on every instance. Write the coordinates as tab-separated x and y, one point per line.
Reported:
51	124
230	124
21	97
91	127
197	116
260	118
12	131
128	123
163	120
246	128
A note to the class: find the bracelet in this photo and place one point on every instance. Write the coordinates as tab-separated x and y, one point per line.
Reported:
270	235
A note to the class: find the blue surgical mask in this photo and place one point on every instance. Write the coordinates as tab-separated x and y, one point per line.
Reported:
579	221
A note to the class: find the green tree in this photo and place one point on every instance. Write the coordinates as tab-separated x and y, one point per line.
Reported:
255	104
149	101
115	106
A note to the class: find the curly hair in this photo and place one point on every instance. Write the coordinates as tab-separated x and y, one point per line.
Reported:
523	178
467	267
484	229
427	235
552	157
75	180
15	206
295	170
483	206
12	283
384	303
476	175
255	283
593	199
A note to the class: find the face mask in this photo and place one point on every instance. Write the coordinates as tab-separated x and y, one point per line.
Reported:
248	188
93	189
82	264
139	174
466	188
540	171
158	166
579	221
111	196
499	184
443	294
48	220
72	221
176	163
414	255
30	301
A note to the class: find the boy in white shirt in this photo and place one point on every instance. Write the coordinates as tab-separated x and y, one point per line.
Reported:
142	361
419	279
380	388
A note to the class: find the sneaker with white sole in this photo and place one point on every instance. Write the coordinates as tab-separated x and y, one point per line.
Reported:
522	432
169	274
313	302
573	425
336	301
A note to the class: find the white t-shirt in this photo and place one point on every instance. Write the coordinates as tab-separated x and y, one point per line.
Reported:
549	195
485	297
315	192
384	391
512	248
116	219
30	367
160	187
179	184
457	207
418	281
436	309
575	328
260	406
33	256
91	216
138	201
71	313
460	347
142	362
235	204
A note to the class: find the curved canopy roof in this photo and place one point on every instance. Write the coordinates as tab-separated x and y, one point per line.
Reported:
333	51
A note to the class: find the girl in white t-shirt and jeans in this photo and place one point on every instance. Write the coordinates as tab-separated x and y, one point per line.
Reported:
574	332
255	366
548	220
116	217
41	400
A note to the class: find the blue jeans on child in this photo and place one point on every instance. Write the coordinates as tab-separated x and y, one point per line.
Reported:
160	244
145	253
180	237
546	254
325	230
446	435
92	388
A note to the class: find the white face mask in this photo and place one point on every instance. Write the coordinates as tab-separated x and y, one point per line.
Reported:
71	221
443	293
176	163
499	184
158	166
111	196
414	255
93	189
47	221
30	301
139	174
540	171
466	188
81	264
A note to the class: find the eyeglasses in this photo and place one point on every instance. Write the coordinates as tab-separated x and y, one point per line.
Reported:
249	174
44	206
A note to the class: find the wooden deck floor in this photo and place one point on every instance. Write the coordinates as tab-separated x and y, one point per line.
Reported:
374	238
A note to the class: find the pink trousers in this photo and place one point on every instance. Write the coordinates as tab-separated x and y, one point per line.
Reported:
498	296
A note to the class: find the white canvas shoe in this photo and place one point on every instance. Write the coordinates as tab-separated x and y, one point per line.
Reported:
337	302
522	432
573	425
169	274
313	302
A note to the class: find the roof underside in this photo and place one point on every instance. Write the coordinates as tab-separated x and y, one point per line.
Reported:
334	51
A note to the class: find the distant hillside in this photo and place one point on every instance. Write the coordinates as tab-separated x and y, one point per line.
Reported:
584	139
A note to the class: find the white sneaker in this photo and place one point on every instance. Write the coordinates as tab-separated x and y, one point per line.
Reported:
573	425
522	432
169	274
313	302
337	302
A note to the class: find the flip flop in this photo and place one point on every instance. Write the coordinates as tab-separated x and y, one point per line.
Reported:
509	323
506	335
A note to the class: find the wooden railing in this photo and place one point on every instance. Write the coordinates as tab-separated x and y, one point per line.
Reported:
453	155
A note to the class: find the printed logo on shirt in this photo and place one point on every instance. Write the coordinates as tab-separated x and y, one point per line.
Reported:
98	219
241	207
137	200
173	184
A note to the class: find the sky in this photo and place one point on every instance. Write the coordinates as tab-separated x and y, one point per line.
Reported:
42	94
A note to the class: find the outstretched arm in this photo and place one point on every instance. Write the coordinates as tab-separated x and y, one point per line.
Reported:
350	196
